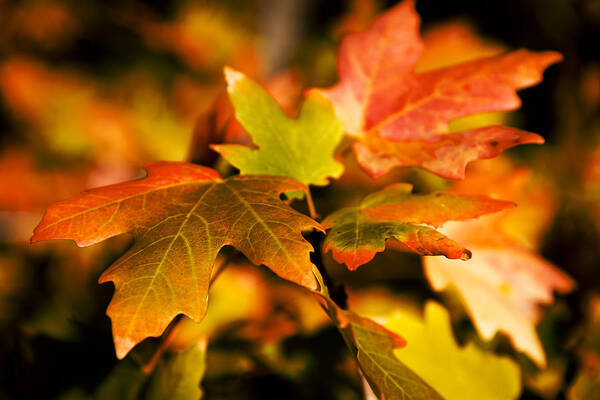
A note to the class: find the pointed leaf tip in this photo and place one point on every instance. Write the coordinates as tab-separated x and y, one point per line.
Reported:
122	346
232	77
358	233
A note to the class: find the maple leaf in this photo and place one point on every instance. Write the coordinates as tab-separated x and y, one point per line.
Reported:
218	125
502	285
357	233
402	119
431	351
181	215
373	346
300	148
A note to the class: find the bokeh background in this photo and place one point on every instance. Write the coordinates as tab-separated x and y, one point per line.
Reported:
90	91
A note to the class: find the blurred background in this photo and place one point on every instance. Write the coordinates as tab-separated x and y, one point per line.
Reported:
91	91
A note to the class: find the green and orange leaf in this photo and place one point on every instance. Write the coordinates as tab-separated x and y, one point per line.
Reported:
373	347
357	233
180	216
401	118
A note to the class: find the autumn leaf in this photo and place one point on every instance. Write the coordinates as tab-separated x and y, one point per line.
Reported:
501	287
506	280
401	118
181	215
373	346
445	155
357	233
218	125
300	148
431	351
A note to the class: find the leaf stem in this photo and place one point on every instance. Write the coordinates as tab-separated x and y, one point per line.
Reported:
323	289
335	292
311	204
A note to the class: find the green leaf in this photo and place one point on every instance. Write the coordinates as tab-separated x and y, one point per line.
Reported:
178	378
300	148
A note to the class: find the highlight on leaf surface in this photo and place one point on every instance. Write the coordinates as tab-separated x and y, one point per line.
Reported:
456	372
357	233
401	118
180	216
300	148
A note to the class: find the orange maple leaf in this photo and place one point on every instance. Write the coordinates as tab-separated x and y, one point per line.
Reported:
401	118
181	215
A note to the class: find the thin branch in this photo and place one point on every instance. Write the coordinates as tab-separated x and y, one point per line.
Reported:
323	289
337	293
311	204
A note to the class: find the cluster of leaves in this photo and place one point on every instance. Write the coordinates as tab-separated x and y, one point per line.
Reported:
384	170
181	215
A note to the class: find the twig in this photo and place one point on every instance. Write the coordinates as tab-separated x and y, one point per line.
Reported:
311	204
337	293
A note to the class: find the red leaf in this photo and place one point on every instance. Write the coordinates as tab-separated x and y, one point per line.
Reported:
402	118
